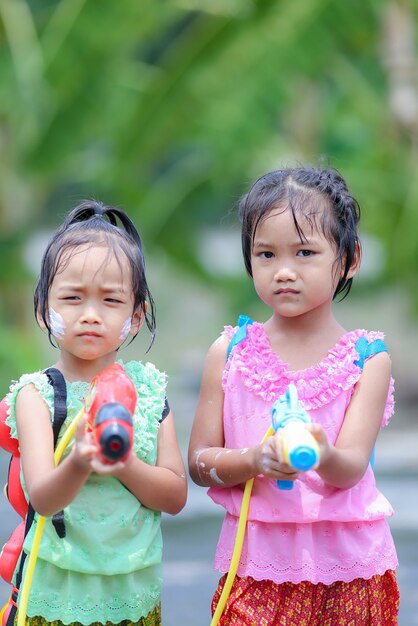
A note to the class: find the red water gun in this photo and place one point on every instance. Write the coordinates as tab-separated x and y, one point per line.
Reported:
109	406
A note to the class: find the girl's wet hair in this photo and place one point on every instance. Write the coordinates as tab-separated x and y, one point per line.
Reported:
92	223
306	191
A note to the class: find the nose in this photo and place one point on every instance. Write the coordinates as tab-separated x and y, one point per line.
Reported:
90	314
284	272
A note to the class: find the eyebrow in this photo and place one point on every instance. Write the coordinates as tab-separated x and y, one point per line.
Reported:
80	287
297	242
260	244
70	287
113	289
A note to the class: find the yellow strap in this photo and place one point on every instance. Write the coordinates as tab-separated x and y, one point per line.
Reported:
40	523
239	540
3	610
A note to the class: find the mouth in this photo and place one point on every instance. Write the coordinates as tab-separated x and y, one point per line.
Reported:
89	334
286	292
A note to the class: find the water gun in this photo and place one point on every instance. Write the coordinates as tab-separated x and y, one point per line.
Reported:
300	448
109	406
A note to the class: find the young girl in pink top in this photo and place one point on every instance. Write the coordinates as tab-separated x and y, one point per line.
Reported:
321	553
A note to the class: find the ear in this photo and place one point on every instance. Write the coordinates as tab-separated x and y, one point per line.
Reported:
138	319
355	265
40	320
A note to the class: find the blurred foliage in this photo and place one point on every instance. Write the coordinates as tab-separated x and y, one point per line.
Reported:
170	108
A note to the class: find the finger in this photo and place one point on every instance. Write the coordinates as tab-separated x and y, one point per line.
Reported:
286	477
278	446
105	468
81	428
283	468
317	432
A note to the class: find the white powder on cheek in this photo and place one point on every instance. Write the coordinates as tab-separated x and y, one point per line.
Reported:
57	324
125	329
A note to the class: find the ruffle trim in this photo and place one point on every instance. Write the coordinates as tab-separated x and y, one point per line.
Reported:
40	382
266	375
151	387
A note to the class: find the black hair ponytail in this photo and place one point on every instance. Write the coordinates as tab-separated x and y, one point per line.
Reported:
88	224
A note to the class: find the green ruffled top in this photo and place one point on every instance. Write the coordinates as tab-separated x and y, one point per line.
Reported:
108	566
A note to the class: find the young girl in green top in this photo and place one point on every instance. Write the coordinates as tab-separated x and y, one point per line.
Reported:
91	296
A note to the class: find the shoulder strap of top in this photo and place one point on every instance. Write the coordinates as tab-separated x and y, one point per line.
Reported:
366	349
240	333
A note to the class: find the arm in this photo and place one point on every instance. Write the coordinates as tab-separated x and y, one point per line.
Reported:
49	488
210	463
162	487
343	464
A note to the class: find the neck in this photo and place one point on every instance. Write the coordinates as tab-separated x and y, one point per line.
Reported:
74	369
316	323
303	341
304	328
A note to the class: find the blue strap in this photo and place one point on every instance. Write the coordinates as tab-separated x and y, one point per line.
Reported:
372	458
366	349
240	334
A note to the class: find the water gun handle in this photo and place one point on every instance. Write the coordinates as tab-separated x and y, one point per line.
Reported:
285	485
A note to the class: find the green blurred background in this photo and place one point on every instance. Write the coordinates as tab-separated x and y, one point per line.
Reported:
169	109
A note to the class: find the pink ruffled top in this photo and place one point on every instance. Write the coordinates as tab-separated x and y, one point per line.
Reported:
314	532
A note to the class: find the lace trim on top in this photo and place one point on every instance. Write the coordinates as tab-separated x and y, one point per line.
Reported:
128	597
323	552
266	375
151	386
78	389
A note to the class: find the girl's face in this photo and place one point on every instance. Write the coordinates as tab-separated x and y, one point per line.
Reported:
90	303
290	276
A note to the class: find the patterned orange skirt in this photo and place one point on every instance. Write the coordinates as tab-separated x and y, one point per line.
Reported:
373	602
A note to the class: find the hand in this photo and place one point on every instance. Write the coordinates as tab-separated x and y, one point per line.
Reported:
322	440
270	460
86	453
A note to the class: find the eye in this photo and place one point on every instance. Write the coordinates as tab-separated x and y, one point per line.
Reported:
70	298
305	253
113	301
266	254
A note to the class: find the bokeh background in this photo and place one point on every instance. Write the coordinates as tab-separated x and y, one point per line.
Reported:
169	109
